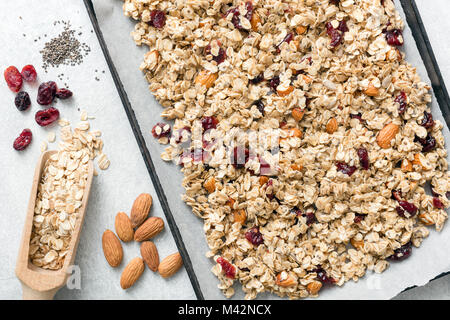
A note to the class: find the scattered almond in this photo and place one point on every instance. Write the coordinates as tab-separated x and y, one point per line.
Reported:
406	165
284	279
332	126
206	78
112	249
123	226
150	228
132	273
300	29
314	287
357	244
149	253
254	21
297	114
240	216
140	209
263	180
371	90
386	134
170	265
285	92
210	185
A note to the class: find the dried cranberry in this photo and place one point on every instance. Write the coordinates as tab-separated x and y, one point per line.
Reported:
209	123
401	99
221	56
397	195
13	78
342	26
363	158
322	276
335	2
310	218
402	253
198	155
239	157
394	37
345	168
427	120
336	35
46	92
29	73
254	236
428	143
264	167
359	217
260	106
227	268
235	20
400	212
270	195
179	134
157	18
409	207
63	93
274	83
437	203
288	38
357	116
22	101
47	116
161	130
259	78
23	140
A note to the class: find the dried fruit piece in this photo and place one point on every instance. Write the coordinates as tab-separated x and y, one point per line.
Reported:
112	249
46	93
345	168
402	100
13	78
259	105
149	253
363	158
259	78
322	276
209	123
123	227
170	265
63	93
210	185
332	126
314	287
437	203
221	55
254	236
23	140
161	130
239	157
408	207
297	114
140	209
206	78
386	134
149	229
285	280
157	18
274	83
239	216
22	101
336	34
47	116
427	120
29	73
132	272
428	143
394	37
236	20
228	269
402	253
359	217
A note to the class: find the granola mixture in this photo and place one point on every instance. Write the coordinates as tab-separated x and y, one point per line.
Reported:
346	190
60	193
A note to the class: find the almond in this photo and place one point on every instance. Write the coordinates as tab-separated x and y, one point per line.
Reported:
206	78
132	273
371	90
285	92
254	21
112	249
386	134
149	253
357	244
297	114
420	160
307	79
140	209
284	279
240	216
263	180
314	287
300	29
406	165
170	265
210	185
123	226
332	126
150	228
296	167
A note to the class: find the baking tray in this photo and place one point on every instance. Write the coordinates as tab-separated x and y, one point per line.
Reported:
414	22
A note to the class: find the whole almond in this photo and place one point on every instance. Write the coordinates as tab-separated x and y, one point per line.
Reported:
150	228
386	134
285	280
140	209
170	265
314	287
332	126
132	273
371	90
149	253
124	228
112	249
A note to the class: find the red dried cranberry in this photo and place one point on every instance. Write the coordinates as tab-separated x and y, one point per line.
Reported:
427	120
47	116
394	37
179	134
235	20
209	123
363	158
357	116
359	217
288	38
63	93
23	140
345	168
260	106
401	99
29	74
397	195
270	195
254	236
160	130
310	218
22	101
335	2
228	269
259	78
409	207
322	276
437	203
336	35
264	167
239	157
157	18
13	78
221	56
274	83
428	143
400	212
342	26
402	253
46	92
199	155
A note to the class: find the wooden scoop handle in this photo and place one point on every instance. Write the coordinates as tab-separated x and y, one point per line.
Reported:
30	294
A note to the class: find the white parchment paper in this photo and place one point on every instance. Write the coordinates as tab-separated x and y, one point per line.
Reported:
430	260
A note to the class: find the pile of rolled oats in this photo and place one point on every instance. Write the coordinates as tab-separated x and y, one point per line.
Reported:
60	193
343	192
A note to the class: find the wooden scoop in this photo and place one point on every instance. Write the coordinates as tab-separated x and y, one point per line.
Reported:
39	283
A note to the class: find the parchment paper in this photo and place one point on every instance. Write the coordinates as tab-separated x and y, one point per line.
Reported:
430	260
113	190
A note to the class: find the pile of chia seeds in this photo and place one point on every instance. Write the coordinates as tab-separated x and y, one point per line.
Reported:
64	49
